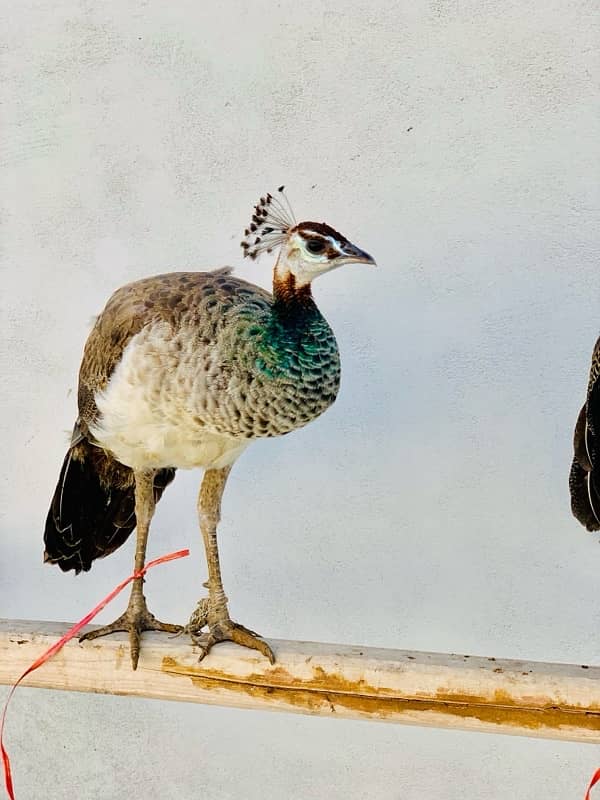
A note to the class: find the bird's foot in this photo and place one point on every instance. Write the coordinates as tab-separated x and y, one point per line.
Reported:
222	630
134	621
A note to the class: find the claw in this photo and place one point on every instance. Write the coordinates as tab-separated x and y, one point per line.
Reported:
134	621
134	647
229	631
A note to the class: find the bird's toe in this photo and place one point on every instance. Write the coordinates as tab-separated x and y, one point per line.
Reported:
133	621
229	631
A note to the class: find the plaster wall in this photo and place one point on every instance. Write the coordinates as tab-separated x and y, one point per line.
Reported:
428	509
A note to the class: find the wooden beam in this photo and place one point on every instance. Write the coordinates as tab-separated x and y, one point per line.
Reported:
560	701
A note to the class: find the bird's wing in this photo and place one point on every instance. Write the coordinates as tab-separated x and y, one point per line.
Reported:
169	298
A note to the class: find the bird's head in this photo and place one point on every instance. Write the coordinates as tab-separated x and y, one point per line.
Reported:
306	249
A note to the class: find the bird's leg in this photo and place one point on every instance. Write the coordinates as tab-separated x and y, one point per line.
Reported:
213	611
137	618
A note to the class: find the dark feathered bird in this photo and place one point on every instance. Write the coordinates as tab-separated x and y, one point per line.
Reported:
584	478
186	370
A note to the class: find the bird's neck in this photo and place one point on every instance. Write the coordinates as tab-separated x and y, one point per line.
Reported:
291	296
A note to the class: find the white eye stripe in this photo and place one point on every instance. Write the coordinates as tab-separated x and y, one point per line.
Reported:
325	239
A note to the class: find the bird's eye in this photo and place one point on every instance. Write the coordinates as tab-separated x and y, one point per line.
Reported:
315	246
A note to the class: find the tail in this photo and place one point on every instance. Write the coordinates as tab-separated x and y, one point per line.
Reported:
584	478
93	509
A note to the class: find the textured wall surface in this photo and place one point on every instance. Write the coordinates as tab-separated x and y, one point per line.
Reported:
428	509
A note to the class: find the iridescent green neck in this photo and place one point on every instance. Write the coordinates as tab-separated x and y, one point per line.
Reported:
294	337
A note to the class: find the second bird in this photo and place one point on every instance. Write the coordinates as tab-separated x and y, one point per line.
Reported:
584	477
186	370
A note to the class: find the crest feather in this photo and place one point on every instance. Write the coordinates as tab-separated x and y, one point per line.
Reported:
270	225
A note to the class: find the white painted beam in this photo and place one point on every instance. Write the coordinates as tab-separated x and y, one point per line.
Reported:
560	701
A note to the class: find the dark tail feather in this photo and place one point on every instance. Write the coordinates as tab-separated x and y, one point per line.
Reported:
93	509
584	478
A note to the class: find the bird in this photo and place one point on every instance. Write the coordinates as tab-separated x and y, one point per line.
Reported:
584	477
185	370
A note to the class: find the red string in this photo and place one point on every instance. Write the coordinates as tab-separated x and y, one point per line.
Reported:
593	782
61	642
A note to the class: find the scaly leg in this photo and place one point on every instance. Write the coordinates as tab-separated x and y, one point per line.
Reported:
137	618
214	611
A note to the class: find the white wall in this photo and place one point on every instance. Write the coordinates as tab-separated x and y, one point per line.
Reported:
428	509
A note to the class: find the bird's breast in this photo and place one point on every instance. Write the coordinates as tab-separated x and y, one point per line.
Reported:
177	400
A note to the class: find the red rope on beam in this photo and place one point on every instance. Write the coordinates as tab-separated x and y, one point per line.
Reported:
51	651
593	782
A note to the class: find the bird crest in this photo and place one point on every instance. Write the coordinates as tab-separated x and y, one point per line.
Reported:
272	220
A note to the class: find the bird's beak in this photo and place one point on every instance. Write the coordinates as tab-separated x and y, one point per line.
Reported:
354	255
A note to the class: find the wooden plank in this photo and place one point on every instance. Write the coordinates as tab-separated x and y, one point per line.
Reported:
559	701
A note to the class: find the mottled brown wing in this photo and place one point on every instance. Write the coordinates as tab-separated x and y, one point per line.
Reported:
163	298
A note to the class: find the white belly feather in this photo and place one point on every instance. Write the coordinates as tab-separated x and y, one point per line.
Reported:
146	417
